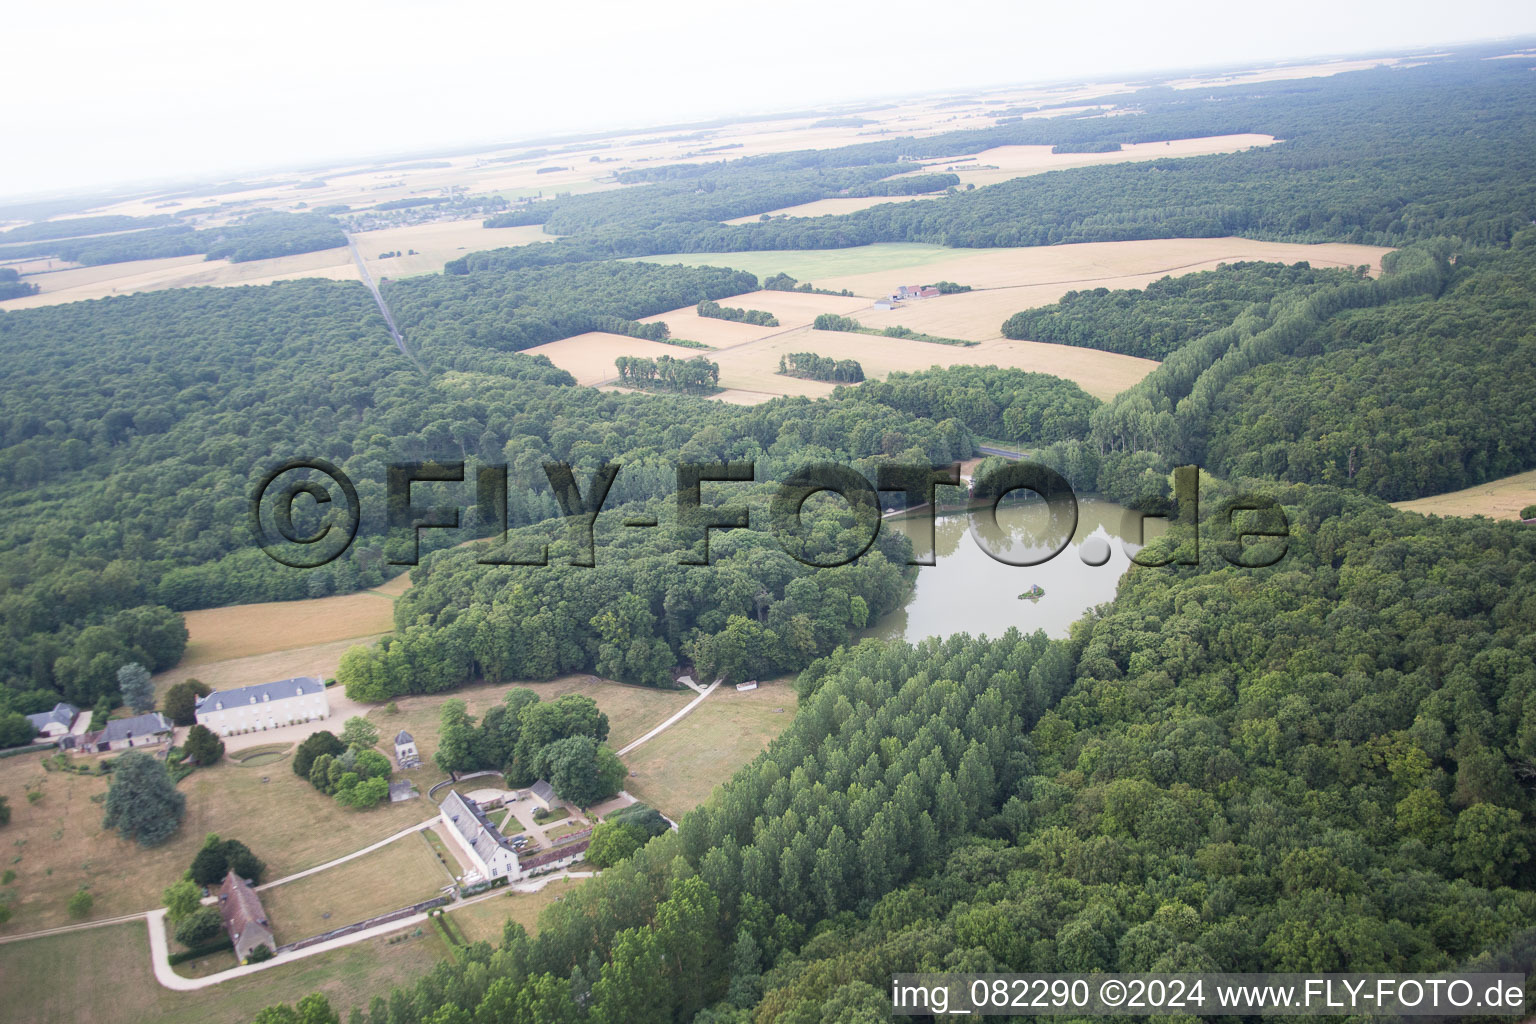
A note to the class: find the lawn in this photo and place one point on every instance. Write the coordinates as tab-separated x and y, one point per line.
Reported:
631	711
401	874
678	769
57	844
484	921
104	974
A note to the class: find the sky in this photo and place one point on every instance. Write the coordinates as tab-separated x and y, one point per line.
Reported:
103	94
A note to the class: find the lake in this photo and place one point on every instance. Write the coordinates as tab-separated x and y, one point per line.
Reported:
968	591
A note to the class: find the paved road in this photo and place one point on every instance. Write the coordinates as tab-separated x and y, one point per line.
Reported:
389	319
1003	452
165	974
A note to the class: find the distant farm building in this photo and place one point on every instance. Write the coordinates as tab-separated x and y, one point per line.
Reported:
55	723
543	794
885	303
244	917
913	291
122	733
264	706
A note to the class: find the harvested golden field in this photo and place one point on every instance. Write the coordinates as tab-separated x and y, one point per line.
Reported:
44	982
58	843
753	368
1006	162
1004	282
395	587
1322	69
830	207
241	630
1498	499
589	357
319	659
793	309
180	272
436	244
1041	274
678	769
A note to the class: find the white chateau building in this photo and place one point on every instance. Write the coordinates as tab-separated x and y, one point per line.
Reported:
264	706
489	851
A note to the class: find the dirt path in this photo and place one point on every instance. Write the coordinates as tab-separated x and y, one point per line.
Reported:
685	709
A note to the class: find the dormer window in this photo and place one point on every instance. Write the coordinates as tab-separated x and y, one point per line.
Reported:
253	698
266	696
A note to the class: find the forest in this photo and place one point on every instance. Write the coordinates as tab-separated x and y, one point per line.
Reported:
508	311
666	373
258	237
12	287
1154	321
1304	768
814	367
758	317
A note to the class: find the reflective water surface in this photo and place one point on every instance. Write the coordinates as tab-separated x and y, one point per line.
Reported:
968	591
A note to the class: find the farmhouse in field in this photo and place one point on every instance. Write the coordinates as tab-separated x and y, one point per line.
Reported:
122	733
543	794
244	917
913	291
55	723
264	706
885	303
405	750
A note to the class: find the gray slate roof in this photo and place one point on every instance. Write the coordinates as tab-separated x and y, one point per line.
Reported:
280	690
474	826
140	725
544	791
62	714
404	737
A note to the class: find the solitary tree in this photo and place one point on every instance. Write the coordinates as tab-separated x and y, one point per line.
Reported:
142	802
80	903
203	746
138	691
180	704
